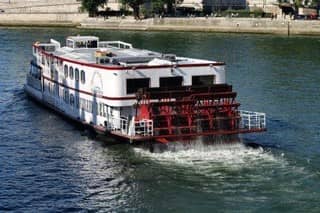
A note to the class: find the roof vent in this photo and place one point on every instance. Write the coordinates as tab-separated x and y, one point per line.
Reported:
169	57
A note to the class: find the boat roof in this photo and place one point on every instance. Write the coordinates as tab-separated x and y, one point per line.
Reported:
114	53
82	38
88	54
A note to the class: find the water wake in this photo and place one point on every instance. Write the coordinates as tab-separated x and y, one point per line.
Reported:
235	156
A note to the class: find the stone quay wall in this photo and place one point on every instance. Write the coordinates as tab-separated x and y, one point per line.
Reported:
210	24
42	19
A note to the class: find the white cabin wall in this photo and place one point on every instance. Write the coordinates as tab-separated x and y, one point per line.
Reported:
112	83
115	81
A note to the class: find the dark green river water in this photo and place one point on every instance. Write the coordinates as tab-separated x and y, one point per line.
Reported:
47	165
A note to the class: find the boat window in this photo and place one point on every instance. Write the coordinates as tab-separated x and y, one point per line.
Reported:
66	71
82	103
71	99
80	44
56	75
71	73
83	77
77	101
134	84
47	60
92	44
86	44
57	90
52	73
169	82
70	43
203	80
66	96
105	110
102	110
104	60
76	74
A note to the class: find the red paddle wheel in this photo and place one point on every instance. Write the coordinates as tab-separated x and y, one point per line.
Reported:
189	111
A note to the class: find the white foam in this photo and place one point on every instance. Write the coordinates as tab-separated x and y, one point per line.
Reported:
206	158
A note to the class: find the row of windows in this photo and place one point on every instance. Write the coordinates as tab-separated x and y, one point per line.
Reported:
52	89
74	74
87	105
45	60
68	71
80	103
133	85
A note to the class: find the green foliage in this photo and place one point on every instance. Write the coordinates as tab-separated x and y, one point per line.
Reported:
157	6
311	3
163	6
135	5
170	5
297	3
92	6
257	12
145	12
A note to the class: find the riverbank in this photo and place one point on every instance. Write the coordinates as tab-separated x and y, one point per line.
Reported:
201	24
42	19
210	24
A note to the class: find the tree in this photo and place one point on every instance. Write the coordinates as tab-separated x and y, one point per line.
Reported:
164	6
135	5
171	6
157	6
92	6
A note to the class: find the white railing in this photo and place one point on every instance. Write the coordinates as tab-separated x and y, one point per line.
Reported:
118	124
117	44
144	127
252	120
131	128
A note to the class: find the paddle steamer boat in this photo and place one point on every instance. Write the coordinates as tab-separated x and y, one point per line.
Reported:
117	90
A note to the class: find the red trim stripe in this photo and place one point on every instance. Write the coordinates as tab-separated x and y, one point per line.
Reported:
89	93
110	68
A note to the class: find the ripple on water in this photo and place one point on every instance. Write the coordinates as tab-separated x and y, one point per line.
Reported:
232	156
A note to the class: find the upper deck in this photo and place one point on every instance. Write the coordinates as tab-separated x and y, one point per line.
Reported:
89	50
94	66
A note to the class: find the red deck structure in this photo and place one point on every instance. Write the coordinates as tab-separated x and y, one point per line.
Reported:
188	111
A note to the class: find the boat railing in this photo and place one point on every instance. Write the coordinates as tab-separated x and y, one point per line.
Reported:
118	124
117	44
144	127
252	120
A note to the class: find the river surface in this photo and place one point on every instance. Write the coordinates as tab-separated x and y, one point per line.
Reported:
48	165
